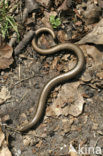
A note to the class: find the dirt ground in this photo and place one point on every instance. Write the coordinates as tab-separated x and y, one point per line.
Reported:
58	132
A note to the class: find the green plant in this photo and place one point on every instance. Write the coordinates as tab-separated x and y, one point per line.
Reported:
55	21
7	21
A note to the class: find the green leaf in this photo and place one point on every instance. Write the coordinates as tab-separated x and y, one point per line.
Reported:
58	22
52	19
55	22
12	23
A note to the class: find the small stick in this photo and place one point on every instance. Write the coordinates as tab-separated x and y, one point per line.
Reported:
19	71
23	80
23	97
27	37
13	39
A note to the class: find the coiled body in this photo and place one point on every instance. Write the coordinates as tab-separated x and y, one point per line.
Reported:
56	80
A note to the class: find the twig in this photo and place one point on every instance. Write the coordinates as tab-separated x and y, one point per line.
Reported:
23	97
23	80
27	37
19	71
13	39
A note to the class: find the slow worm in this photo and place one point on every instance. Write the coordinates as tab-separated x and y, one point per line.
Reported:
56	80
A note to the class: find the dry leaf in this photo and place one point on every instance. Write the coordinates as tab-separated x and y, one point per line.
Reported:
54	63
4	95
100	75
69	101
66	124
86	77
5	56
95	54
2	137
96	36
58	2
65	5
62	36
4	151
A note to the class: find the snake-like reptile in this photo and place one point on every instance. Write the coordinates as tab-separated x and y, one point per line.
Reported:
56	80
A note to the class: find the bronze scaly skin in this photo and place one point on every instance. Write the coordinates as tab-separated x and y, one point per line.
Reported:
56	80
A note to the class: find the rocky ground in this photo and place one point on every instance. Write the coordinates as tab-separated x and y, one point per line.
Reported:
72	121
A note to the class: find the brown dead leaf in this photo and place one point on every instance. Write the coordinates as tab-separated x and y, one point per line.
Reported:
2	137
5	56
78	23
4	151
100	75
58	2
65	5
30	139
39	144
95	54
27	140
4	95
96	36
94	66
62	36
66	124
86	77
54	63
95	1
69	101
5	118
